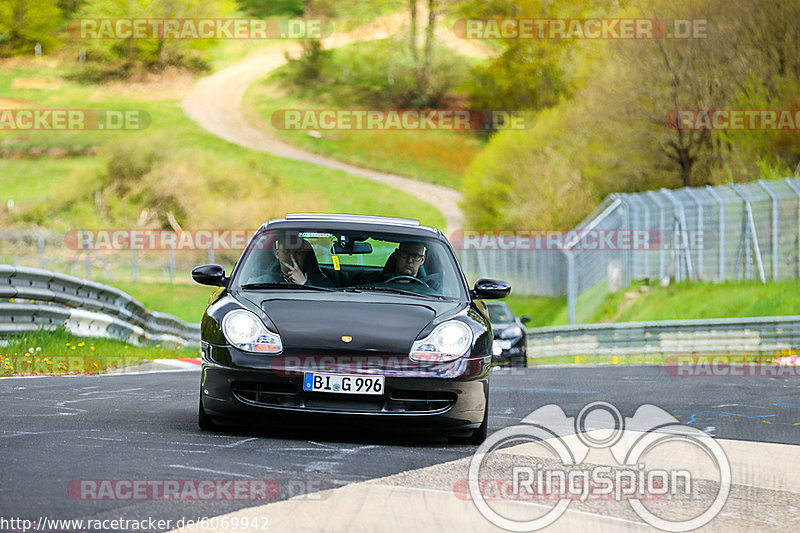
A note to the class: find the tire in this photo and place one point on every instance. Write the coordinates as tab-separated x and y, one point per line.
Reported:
479	435
204	422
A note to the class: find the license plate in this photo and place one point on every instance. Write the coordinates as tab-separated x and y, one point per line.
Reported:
503	345
342	383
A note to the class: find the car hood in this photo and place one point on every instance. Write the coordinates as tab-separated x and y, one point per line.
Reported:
383	326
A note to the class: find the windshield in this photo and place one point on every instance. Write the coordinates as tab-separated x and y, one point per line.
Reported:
350	261
500	313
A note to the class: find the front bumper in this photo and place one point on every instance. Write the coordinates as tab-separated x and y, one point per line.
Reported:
509	350
237	385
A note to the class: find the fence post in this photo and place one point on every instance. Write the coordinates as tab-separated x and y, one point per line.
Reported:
646	217
751	225
775	242
796	190
681	216
661	222
700	252
721	244
627	255
572	287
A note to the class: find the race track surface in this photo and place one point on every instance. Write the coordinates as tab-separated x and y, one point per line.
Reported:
56	430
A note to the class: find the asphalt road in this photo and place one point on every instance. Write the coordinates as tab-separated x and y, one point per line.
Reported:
56	430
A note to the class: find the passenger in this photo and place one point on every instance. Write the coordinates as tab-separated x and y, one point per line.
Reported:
297	263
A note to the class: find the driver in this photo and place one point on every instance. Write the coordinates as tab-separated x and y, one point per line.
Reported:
408	257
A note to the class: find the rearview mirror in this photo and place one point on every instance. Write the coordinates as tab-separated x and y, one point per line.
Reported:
213	275
490	289
352	248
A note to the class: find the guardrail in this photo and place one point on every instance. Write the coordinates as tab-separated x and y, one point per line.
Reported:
722	336
84	307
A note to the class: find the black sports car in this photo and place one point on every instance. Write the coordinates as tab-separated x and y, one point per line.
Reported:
344	316
510	337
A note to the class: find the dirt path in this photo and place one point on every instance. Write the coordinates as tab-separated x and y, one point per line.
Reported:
215	104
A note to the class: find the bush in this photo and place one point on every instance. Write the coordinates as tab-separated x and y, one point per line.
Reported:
378	73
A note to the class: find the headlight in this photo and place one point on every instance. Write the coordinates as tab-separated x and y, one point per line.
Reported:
245	331
510	333
448	341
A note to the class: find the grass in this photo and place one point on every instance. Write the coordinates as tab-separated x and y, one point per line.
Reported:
544	311
59	352
61	193
689	300
650	359
681	301
186	302
438	157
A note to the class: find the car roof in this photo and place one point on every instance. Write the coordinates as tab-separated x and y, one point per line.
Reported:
342	221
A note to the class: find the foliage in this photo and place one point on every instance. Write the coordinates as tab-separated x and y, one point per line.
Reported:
272	8
123	58
379	73
608	130
24	23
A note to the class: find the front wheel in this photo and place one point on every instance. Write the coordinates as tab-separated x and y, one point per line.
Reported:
204	422
479	435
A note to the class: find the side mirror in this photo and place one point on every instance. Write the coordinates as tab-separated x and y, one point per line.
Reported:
213	275
525	319
490	289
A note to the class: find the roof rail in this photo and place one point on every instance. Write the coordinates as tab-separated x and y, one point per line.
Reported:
339	217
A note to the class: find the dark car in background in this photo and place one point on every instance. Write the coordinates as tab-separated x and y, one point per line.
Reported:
510	337
340	332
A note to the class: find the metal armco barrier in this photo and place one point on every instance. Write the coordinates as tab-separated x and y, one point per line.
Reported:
723	336
86	308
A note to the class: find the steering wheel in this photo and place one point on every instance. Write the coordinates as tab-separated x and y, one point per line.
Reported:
412	278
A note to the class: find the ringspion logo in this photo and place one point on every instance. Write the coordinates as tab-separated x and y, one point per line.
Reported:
655	458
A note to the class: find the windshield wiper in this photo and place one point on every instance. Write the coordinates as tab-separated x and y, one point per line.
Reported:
279	285
400	291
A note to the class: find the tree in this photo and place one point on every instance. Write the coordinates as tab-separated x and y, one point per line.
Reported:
424	95
24	23
609	134
526	73
155	53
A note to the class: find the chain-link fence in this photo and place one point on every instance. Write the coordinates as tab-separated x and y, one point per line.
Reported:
54	250
729	232
749	231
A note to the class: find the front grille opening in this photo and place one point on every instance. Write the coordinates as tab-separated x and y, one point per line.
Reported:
279	394
397	401
421	401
